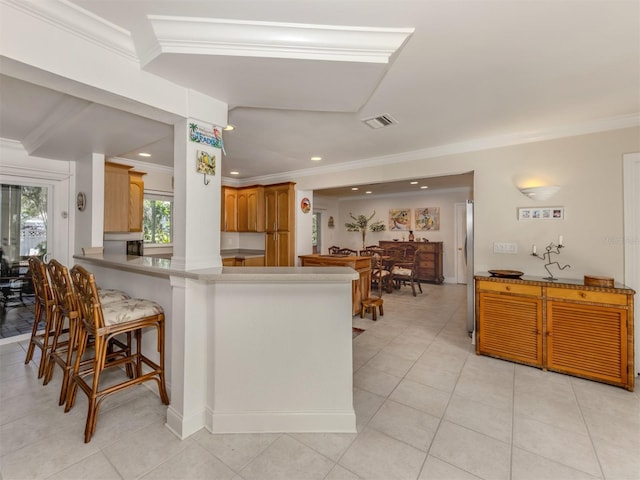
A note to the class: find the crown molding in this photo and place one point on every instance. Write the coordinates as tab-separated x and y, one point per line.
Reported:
476	145
212	36
79	22
147	167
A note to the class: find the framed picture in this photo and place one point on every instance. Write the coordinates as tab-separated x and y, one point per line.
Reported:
206	162
399	219
541	213
427	218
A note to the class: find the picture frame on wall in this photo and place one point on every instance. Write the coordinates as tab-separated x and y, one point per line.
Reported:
541	213
399	219
427	219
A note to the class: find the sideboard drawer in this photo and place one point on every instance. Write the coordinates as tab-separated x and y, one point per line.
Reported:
510	288
587	296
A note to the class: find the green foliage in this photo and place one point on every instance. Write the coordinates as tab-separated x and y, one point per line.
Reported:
34	203
156	221
361	224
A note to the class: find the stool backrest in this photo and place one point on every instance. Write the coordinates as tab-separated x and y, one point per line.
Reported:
41	285
84	283
65	294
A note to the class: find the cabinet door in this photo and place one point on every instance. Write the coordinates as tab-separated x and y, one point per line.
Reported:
510	327
255	209
271	249
116	197
271	210
243	211
251	209
136	201
587	340
229	209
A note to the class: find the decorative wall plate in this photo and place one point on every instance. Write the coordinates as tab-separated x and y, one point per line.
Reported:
81	201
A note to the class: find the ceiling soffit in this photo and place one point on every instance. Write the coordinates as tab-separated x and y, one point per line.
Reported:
341	63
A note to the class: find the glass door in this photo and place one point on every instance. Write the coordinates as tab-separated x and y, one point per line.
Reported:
23	233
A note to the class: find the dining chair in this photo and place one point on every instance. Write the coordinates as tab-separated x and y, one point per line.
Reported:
334	249
347	251
126	318
380	275
406	272
44	304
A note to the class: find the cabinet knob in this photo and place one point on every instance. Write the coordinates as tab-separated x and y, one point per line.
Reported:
583	295
508	288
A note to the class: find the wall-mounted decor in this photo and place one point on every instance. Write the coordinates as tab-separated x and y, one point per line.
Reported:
331	223
399	219
207	135
206	164
305	205
427	218
361	224
541	213
81	201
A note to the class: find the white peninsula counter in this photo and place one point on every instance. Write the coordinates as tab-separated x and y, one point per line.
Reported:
247	349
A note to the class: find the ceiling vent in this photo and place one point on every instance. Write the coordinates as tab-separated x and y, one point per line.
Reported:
380	121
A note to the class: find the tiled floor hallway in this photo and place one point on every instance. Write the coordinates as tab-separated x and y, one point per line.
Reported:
427	408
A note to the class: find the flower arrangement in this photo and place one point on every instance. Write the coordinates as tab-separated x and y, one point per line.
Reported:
361	224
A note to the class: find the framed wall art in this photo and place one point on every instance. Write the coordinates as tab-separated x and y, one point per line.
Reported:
541	213
427	218
399	219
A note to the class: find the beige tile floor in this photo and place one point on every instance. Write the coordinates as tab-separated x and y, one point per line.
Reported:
427	408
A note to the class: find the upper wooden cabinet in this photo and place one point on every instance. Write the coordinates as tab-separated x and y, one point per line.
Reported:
229	218
136	201
250	201
123	198
279	207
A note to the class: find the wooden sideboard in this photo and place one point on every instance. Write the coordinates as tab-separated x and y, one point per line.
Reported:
360	289
429	258
563	326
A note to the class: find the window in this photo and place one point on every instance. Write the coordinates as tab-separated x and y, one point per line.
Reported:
23	221
157	219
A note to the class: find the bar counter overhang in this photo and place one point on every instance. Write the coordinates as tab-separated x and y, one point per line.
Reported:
247	349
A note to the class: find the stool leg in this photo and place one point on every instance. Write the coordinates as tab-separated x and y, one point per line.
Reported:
374	312
362	310
381	311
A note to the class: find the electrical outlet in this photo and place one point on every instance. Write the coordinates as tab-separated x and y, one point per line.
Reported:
505	247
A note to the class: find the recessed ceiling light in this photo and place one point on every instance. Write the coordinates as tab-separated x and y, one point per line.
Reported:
368	192
234	173
413	183
144	154
316	159
229	127
423	187
354	188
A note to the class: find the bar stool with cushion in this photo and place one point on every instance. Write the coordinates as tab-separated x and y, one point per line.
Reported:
44	303
62	351
104	323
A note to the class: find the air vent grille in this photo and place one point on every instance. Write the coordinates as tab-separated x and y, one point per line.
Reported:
379	121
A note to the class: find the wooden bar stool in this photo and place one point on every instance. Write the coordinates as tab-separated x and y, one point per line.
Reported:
44	303
104	323
371	304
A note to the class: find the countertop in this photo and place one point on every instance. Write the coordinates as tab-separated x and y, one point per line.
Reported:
577	282
164	268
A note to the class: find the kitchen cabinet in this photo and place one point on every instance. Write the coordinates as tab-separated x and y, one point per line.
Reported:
123	198
229	217
361	288
563	326
136	200
279	202
429	258
250	206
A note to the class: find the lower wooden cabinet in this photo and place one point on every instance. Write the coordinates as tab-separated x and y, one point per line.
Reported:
569	328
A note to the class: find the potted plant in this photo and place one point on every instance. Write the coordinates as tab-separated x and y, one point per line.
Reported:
361	224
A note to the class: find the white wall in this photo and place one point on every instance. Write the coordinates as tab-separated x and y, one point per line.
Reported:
588	168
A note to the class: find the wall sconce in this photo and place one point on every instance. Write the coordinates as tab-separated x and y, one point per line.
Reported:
540	193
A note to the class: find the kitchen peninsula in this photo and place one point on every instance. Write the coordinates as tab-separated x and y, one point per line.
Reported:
240	359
